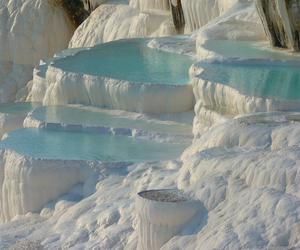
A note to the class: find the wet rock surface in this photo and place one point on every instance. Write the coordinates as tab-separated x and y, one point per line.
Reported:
74	9
281	22
178	16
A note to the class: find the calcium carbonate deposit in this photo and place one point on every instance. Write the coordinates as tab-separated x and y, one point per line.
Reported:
132	136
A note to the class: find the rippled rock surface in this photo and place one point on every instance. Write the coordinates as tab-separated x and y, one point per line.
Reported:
281	22
178	16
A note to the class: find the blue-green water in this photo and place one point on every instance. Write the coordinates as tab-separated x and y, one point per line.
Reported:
78	115
249	50
254	69
42	68
49	144
129	60
17	108
280	81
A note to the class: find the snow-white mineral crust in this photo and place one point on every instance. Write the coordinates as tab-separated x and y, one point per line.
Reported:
21	178
150	4
244	170
30	30
118	21
161	215
60	88
10	122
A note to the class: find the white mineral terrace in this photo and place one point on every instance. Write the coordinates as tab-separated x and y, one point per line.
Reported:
12	116
116	122
239	77
150	142
133	77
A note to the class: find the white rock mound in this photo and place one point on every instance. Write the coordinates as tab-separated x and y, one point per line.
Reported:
245	172
150	4
197	13
58	177
61	88
118	21
30	30
91	5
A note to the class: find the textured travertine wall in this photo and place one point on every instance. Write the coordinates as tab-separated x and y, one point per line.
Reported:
281	22
30	30
160	220
61	88
112	22
91	5
150	4
178	16
28	184
199	12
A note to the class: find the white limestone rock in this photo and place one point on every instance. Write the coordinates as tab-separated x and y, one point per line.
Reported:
197	13
32	30
91	5
117	21
216	101
150	4
61	88
10	122
281	22
245	172
29	31
240	23
247	179
161	215
27	184
13	77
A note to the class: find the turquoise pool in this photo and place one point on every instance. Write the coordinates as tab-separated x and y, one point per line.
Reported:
278	81
47	144
254	69
17	108
249	50
129	60
94	117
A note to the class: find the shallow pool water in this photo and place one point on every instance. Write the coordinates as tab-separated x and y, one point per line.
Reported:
17	108
279	81
254	69
249	50
42	68
129	60
49	144
94	117
269	117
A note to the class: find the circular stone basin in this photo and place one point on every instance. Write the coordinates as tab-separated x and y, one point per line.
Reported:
129	60
95	117
162	214
48	144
